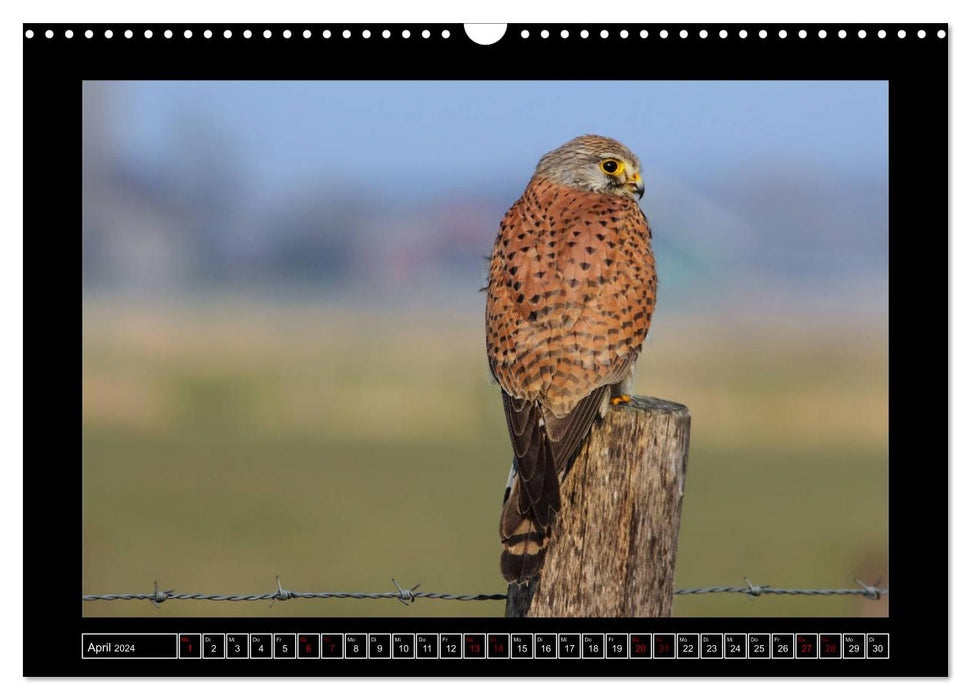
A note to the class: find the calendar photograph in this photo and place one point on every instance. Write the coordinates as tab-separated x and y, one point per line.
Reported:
485	348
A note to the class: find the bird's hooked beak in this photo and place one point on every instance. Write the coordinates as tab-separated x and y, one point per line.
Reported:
636	185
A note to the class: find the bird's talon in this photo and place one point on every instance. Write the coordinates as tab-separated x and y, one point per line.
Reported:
617	400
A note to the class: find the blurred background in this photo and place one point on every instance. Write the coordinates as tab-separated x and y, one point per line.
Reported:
284	361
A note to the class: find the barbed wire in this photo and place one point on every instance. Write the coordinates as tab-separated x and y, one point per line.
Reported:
407	596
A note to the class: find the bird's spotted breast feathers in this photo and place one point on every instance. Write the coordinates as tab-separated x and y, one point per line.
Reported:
571	293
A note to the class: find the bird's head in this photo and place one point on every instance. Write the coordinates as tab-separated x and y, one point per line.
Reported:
594	164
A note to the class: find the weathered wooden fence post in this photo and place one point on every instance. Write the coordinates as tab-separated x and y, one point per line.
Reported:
614	542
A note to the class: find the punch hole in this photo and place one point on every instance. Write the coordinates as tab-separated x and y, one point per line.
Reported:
68	34
187	33
941	34
483	34
109	33
29	34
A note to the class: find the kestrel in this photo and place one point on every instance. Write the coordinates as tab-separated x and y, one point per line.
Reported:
570	298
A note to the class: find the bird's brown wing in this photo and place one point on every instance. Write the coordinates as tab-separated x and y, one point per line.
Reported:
570	296
543	445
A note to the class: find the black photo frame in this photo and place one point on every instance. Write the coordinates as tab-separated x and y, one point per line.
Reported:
915	66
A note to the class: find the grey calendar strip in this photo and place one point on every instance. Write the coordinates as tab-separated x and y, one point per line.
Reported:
325	646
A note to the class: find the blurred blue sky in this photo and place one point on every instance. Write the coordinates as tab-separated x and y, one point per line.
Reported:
409	138
773	191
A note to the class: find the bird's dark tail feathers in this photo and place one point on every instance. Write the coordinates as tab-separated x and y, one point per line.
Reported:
543	446
525	524
524	547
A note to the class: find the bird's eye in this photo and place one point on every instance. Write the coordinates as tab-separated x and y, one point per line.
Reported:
611	166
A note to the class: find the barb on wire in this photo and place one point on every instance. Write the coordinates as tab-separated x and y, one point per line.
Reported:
872	592
407	596
281	592
158	597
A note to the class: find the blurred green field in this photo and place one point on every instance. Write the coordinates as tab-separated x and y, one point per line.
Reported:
231	442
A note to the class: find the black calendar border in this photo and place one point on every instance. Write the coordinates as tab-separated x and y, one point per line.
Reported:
917	72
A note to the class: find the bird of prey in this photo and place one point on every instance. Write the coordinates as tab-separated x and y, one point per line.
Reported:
570	297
